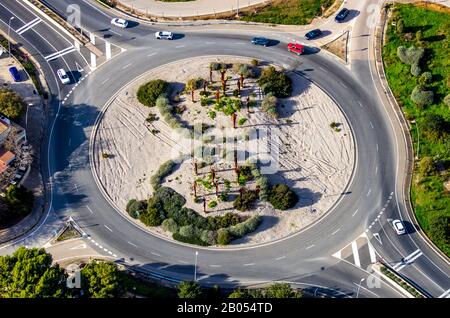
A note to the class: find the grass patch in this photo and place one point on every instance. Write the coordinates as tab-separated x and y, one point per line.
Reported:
69	233
289	11
428	195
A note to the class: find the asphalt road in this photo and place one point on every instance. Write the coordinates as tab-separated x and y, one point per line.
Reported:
304	258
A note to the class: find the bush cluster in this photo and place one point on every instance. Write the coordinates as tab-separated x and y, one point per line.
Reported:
11	104
167	112
447	100
135	207
435	127
245	200
282	198
275	82
163	171
421	97
148	93
17	202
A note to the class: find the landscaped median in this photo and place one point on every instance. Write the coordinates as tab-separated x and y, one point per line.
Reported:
397	281
416	56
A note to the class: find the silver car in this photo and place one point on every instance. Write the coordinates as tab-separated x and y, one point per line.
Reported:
164	35
399	227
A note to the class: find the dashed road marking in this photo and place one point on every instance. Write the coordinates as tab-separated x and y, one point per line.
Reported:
156	254
107	228
249	264
126	66
335	231
311	246
280	258
28	26
354	213
132	244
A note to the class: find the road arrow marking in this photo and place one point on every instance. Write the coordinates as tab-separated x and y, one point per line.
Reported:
446	294
378	238
79	247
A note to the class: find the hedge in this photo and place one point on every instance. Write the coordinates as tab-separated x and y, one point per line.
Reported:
163	171
282	198
148	93
245	200
135	207
170	225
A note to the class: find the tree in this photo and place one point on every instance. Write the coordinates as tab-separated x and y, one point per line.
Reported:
239	293
11	104
447	100
435	127
275	82
281	290
400	26
281	197
189	290
149	92
223	237
100	279
29	273
421	97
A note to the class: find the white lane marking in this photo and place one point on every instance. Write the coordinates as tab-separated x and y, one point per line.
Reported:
354	213
376	170
373	257
338	254
28	26
58	54
156	254
371	125
407	259
132	244
377	237
368	192
355	254
343	84
152	54
108	228
249	264
360	104
105	81
335	231
377	147
215	265
90	210
75	186
184	262
446	294
311	246
322	68
280	258
180	46
128	65
239	43
400	266
210	42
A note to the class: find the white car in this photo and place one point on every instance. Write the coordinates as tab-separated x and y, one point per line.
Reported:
121	23
164	35
399	227
63	77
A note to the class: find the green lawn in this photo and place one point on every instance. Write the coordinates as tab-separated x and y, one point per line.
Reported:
428	195
289	12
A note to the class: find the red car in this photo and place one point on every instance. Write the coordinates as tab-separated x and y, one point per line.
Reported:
296	48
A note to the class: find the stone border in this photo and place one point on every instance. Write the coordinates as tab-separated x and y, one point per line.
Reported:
228	247
409	166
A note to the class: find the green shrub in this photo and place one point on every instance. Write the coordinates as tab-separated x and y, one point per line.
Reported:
282	198
135	207
400	26
275	82
217	222
427	166
245	201
269	105
163	171
153	216
223	237
11	104
264	188
415	70
254	62
435	127
148	93
209	237
242	121
212	204
248	226
190	240
212	114
411	55
188	231
425	78
440	229
421	97
170	225
447	100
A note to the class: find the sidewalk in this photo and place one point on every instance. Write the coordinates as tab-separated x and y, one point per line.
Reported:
189	8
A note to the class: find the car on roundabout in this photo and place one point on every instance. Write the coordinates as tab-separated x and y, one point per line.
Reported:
296	48
399	227
121	23
164	35
313	34
340	17
260	41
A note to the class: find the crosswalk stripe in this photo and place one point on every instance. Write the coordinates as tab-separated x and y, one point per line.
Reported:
28	26
408	259
446	294
355	254
60	53
373	257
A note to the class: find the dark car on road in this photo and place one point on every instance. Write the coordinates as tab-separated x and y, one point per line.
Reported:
340	17
14	73
313	34
260	41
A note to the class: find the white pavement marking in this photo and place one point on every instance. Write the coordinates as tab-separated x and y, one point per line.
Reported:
58	54
152	54
126	66
93	62
215	265
368	192
108	50
104	82
92	38
28	26
90	210
373	257
371	125
249	264
338	254
184	262
132	244
155	254
376	170
180	46
335	231
446	294
360	104
407	260
343	84
115	32
355	254
280	258
108	228
377	147
311	246
377	237
354	213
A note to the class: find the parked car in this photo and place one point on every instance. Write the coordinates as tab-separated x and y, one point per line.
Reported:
121	23
260	41
340	17
313	34
22	168
14	73
13	182
296	48
63	77
399	227
18	176
164	35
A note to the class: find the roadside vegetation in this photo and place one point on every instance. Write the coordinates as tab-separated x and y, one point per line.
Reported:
16	204
11	104
417	62
288	11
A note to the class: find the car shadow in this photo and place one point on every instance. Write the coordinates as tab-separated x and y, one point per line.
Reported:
132	24
409	227
74	76
178	36
308	50
273	43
